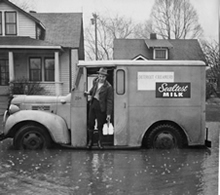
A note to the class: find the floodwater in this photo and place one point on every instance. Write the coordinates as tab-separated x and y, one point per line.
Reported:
119	172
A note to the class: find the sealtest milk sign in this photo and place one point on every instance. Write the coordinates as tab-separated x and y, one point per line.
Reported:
164	85
173	90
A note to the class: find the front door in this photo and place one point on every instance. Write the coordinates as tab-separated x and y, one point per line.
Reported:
107	137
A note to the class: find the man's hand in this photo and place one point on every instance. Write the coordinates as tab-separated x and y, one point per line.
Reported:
86	93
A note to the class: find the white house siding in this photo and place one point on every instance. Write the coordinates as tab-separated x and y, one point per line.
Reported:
65	72
74	62
25	27
5	7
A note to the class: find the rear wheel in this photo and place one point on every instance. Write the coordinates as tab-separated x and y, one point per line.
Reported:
32	137
165	136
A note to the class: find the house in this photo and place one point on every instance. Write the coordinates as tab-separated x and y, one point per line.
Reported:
157	49
42	47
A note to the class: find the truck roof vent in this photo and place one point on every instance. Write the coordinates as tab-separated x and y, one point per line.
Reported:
41	107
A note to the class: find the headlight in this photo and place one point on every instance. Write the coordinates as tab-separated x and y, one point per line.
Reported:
13	108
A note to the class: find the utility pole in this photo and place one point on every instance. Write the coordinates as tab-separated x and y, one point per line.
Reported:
94	22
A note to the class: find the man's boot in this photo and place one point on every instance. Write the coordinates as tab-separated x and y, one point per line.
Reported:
100	140
90	141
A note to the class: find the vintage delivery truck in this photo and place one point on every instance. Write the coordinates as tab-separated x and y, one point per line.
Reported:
157	104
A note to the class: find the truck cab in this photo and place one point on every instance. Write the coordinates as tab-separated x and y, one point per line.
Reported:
157	104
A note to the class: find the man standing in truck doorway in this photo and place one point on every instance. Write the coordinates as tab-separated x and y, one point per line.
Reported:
101	105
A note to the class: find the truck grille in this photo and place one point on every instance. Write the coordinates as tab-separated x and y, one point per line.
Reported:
41	107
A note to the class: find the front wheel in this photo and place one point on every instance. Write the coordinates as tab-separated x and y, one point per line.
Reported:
32	137
165	136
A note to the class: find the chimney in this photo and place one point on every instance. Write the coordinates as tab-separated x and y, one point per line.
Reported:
32	12
153	36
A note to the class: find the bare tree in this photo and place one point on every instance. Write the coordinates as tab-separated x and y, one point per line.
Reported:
143	30
108	29
212	55
26	5
175	19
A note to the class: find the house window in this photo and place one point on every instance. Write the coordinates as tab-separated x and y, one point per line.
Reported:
38	35
160	54
0	23
4	73
49	69
35	67
41	69
10	23
78	76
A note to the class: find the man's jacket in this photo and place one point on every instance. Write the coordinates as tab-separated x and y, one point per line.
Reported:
105	96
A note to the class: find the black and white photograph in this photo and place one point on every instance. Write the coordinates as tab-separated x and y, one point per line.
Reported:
109	97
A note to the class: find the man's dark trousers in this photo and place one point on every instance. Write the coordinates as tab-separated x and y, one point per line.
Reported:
96	113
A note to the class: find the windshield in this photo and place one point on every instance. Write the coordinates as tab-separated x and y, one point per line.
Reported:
77	78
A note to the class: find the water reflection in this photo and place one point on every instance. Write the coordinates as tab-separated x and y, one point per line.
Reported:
189	171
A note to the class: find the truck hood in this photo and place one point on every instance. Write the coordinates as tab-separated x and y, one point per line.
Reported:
39	99
35	99
39	102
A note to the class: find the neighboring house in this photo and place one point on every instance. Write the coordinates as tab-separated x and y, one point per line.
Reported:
42	47
157	49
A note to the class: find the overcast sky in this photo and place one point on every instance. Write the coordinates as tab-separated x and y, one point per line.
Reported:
138	10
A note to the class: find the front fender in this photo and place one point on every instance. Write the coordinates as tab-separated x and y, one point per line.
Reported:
54	123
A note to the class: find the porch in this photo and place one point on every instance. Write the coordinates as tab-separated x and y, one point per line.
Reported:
34	60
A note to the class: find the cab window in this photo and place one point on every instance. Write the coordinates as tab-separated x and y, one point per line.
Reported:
120	82
78	77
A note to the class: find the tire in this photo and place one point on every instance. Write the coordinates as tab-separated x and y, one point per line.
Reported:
32	137
165	136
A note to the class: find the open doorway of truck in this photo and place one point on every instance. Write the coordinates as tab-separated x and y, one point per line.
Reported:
107	140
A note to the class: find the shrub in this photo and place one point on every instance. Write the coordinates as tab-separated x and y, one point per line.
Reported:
23	86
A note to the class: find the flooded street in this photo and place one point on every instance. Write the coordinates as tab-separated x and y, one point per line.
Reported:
72	172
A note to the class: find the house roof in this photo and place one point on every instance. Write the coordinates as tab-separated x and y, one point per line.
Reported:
186	49
62	28
129	49
25	43
182	49
158	43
